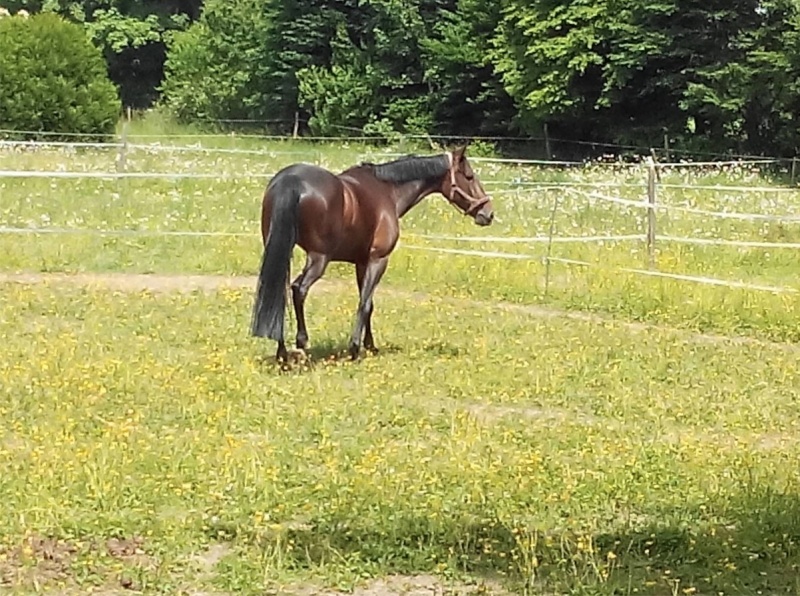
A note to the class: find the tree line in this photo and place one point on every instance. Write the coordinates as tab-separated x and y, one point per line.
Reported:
710	75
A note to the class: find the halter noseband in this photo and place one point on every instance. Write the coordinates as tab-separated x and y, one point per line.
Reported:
475	203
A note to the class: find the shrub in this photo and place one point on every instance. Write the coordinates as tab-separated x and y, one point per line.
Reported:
220	67
53	79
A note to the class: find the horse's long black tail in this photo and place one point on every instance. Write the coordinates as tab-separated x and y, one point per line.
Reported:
270	305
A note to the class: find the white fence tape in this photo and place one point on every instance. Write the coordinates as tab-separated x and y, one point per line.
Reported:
113	175
475	253
677	276
515	161
472	253
591	195
616	200
63	144
720	242
97	232
695	211
732	162
521	184
731	214
490	239
528	239
511	161
713	281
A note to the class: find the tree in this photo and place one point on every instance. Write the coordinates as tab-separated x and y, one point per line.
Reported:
53	79
468	96
132	34
705	72
240	60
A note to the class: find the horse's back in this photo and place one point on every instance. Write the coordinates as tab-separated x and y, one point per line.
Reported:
304	177
348	216
320	196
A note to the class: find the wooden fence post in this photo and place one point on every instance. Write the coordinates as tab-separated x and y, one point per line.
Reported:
550	246
547	148
794	169
123	150
651	212
296	124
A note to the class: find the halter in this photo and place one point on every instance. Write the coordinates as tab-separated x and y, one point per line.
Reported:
475	203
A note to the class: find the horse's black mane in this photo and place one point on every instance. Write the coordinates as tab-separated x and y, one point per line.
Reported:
410	167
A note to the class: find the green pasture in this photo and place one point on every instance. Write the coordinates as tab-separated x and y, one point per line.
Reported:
579	430
483	445
129	215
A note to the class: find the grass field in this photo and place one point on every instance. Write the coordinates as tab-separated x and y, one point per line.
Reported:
503	440
231	206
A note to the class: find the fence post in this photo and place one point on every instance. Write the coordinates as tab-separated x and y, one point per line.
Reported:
666	147
547	149
123	150
296	124
794	169
651	212
550	246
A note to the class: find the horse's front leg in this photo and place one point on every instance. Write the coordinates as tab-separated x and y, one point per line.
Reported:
369	341
314	269
373	270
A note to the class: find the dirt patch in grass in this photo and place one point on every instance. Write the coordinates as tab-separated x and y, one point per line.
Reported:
408	585
134	282
208	559
41	562
38	560
491	413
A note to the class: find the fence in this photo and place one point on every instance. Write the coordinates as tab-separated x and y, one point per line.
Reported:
543	144
649	204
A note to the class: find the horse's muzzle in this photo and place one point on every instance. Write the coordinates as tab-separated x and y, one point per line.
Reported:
483	218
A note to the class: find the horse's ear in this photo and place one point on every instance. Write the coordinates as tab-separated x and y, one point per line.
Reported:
458	153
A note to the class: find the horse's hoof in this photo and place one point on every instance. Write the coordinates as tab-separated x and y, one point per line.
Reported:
298	356
354	351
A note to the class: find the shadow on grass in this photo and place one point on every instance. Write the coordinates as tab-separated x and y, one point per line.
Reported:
327	351
754	550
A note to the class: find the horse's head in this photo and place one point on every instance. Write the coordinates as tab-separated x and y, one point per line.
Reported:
463	189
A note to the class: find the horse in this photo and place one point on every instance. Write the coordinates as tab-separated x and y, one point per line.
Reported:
350	217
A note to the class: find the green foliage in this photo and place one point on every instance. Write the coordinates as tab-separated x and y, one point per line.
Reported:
628	71
227	66
213	67
466	94
117	25
392	73
52	78
131	33
711	75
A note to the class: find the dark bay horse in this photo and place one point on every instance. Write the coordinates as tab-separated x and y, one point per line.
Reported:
351	217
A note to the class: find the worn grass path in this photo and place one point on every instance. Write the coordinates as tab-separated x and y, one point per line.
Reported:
135	282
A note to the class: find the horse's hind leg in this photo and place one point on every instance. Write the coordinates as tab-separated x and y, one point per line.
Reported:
314	269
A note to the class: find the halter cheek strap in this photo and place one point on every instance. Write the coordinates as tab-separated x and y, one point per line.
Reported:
475	204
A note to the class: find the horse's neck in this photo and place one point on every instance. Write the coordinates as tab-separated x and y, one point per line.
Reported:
408	195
